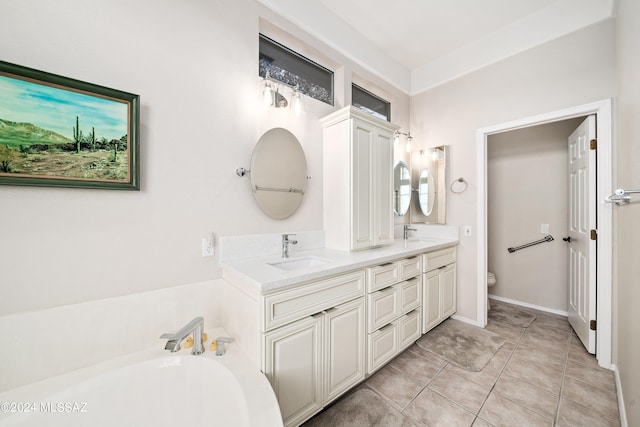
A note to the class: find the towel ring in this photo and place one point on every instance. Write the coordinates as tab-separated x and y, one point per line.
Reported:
464	188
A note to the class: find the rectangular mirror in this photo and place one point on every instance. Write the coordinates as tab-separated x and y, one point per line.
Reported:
429	185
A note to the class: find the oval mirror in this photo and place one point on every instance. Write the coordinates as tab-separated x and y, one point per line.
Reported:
401	188
426	191
278	173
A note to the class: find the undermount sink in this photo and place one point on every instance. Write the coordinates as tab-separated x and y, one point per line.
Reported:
299	263
422	239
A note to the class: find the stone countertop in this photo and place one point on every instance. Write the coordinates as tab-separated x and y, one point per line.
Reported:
257	276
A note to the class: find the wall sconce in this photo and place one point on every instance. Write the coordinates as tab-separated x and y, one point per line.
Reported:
271	96
396	139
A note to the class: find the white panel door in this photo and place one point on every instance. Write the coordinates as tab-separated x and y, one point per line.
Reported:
383	190
362	225
293	365
582	219
345	347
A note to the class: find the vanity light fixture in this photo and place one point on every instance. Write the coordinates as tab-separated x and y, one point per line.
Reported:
437	154
396	139
271	96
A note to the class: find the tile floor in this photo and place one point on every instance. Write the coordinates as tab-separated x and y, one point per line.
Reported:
542	376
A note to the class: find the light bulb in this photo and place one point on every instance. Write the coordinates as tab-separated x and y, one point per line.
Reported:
409	144
434	155
267	94
297	102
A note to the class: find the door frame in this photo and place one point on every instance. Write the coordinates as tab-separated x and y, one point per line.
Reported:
604	187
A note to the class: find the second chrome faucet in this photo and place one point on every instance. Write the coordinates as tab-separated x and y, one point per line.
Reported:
285	244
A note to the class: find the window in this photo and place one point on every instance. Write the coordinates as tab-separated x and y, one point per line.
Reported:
370	103
293	69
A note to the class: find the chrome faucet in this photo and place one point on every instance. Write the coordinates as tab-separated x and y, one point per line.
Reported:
196	326
220	348
285	244
407	230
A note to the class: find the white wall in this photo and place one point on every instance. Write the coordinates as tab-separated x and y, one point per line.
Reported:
627	220
573	70
527	186
194	65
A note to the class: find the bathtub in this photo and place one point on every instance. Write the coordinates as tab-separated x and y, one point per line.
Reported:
151	388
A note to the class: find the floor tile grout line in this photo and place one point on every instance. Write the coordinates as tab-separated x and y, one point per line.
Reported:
552	417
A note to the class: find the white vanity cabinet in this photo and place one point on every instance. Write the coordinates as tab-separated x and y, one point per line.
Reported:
320	353
439	287
394	296
358	180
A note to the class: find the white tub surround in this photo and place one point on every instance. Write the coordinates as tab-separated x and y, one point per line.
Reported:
40	344
338	317
151	387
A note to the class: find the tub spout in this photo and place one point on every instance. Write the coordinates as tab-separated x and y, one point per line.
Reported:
196	326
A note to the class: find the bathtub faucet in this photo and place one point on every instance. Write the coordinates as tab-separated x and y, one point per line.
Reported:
196	326
220	349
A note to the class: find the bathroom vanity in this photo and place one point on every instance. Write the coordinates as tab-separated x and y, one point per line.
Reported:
322	321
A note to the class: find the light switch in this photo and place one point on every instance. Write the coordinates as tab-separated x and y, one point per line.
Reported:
544	228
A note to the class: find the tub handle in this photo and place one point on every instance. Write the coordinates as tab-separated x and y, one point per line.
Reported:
220	348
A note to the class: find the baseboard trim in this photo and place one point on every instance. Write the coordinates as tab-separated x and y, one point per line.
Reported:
621	409
466	320
526	304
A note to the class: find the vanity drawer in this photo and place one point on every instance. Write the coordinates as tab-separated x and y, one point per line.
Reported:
410	267
409	329
311	298
437	259
383	307
410	295
382	346
382	276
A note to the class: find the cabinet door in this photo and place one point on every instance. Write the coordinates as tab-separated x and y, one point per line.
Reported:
293	356
410	295
382	346
362	186
431	300
383	195
447	290
409	327
345	347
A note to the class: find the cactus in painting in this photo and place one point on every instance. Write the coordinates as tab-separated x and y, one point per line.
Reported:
93	138
77	134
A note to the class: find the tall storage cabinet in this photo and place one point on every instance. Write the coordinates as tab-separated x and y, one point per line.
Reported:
358	180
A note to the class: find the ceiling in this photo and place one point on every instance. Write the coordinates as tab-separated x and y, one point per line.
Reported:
418	44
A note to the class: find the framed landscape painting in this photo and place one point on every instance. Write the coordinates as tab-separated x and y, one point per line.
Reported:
57	131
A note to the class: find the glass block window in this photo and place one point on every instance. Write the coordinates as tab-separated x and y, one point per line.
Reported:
293	69
370	103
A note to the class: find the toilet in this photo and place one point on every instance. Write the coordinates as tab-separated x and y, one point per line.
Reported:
491	281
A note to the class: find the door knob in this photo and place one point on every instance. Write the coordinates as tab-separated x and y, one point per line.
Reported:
567	239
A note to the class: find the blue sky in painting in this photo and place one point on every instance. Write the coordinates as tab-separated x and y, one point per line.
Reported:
56	109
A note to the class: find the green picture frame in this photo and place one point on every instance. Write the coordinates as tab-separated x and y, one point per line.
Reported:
61	132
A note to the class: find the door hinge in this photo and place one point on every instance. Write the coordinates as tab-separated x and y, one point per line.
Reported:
594	235
593	324
593	144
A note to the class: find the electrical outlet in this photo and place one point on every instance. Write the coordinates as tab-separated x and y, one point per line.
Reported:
467	230
207	246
